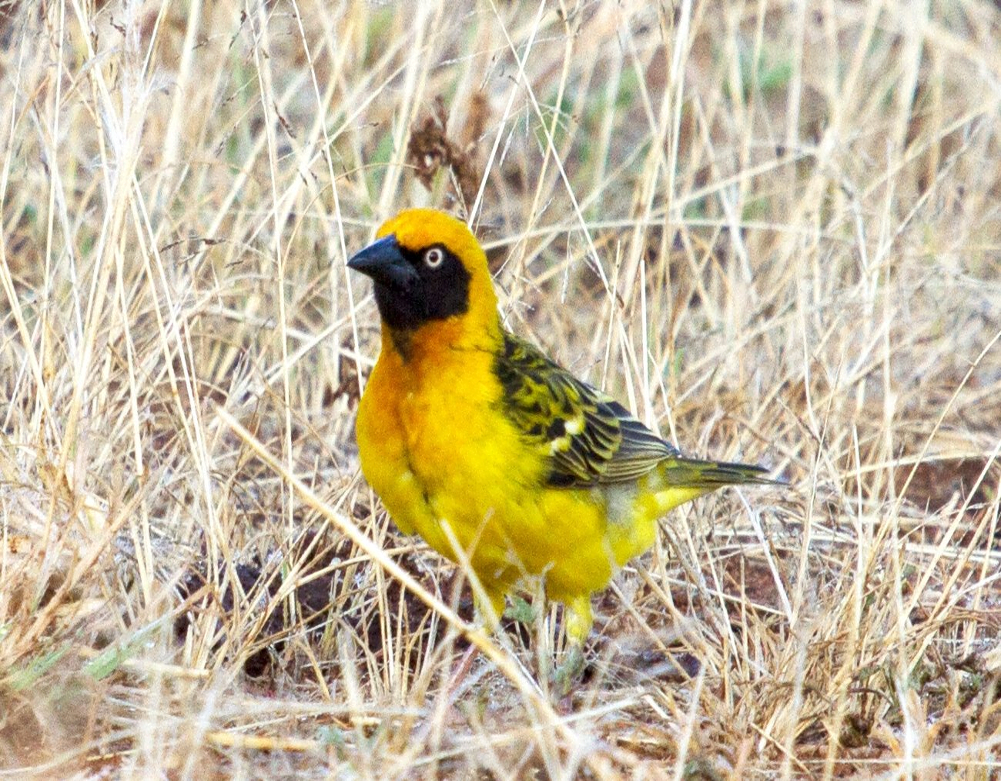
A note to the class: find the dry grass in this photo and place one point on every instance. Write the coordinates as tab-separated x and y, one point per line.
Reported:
773	229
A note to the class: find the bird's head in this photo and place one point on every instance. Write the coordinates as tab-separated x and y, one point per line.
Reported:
431	279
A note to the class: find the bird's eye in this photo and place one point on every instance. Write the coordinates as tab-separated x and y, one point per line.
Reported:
433	257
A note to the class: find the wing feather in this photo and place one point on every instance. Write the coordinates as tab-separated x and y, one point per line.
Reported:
587	438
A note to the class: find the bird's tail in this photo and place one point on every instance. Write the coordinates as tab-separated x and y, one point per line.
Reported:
699	474
679	480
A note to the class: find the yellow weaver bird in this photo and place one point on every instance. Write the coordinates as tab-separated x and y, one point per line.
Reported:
489	450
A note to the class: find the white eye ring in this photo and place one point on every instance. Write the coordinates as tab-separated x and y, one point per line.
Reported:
433	257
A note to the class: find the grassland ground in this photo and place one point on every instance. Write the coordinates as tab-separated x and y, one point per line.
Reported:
771	229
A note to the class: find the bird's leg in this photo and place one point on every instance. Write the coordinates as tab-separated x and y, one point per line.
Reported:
577	626
489	605
578	619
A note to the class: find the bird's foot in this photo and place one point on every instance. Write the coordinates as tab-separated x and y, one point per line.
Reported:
568	674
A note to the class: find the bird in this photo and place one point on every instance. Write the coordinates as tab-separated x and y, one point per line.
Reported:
499	458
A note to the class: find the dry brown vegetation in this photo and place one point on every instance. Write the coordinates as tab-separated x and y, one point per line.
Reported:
772	229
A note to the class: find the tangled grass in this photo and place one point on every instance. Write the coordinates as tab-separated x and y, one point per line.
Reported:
771	229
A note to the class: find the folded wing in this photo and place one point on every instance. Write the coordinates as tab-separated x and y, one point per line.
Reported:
587	438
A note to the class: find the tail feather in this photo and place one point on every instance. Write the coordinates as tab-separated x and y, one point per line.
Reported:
699	474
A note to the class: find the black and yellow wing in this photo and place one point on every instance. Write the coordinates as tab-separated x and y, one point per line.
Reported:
587	437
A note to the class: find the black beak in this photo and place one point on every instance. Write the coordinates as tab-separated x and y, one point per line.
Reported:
385	264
